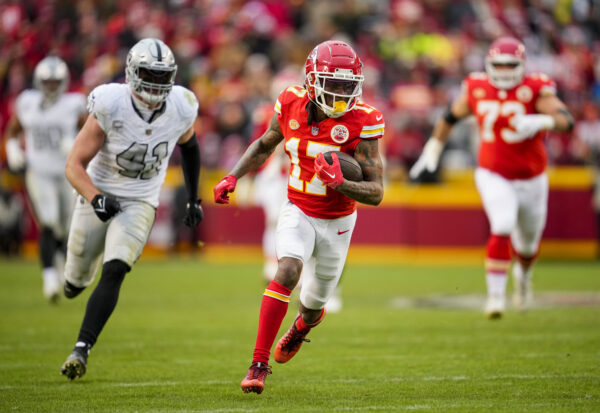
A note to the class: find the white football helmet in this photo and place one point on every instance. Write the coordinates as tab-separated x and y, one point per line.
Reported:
150	70
51	76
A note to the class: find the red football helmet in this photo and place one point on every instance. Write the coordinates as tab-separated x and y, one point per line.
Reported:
505	62
333	77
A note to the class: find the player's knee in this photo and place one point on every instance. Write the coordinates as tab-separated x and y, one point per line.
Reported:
526	254
498	247
113	272
502	225
288	272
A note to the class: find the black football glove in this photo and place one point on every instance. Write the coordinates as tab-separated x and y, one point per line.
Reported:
105	207
193	213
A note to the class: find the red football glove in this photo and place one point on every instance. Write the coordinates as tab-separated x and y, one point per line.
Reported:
330	175
223	188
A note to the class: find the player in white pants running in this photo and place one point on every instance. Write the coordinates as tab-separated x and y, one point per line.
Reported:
47	120
513	111
117	165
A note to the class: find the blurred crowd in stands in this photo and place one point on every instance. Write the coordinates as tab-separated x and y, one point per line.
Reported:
237	55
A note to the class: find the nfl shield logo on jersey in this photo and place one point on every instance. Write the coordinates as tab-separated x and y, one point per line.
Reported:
315	130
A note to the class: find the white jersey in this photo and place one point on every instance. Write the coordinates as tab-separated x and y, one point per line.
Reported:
133	161
46	129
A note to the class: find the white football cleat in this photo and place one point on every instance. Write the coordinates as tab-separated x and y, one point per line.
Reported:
495	306
522	295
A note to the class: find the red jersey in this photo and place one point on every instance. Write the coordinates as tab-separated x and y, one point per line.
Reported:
500	149
303	142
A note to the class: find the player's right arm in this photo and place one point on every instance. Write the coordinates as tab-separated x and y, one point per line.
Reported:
15	156
432	150
259	151
256	154
88	142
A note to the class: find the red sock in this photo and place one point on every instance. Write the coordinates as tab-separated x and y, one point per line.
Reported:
273	307
302	326
498	254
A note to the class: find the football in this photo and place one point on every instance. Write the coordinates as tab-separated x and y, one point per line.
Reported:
350	166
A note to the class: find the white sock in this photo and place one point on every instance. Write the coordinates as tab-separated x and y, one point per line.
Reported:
496	284
519	274
59	264
50	275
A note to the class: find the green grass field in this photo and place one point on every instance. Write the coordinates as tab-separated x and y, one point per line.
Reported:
408	339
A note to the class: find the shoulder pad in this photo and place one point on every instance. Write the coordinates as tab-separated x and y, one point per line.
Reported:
373	123
103	98
287	95
77	99
185	101
296	90
542	82
477	76
539	76
27	96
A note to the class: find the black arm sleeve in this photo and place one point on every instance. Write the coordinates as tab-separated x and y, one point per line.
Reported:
190	164
570	119
449	116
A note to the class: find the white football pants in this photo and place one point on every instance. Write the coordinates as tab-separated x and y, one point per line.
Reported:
327	240
515	207
123	238
52	197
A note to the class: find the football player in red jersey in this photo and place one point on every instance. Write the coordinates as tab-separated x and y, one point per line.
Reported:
513	111
319	217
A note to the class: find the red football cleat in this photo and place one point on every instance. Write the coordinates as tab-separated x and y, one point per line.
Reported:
254	382
290	343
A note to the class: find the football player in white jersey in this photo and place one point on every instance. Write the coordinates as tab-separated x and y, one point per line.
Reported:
117	165
47	120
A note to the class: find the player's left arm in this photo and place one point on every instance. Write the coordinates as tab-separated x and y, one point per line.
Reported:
552	106
370	189
190	164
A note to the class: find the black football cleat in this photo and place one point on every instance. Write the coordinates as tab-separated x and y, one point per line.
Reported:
76	363
71	291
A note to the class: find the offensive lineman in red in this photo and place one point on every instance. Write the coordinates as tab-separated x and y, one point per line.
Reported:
319	217
513	112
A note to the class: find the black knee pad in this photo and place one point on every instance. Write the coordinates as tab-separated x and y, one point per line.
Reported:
114	271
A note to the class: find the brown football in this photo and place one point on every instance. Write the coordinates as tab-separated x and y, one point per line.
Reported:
350	167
